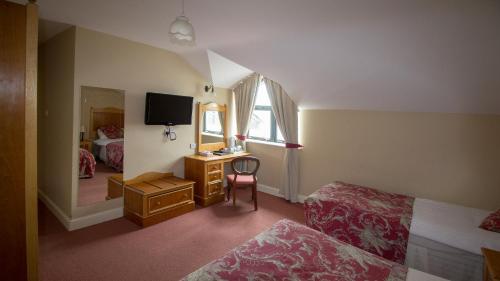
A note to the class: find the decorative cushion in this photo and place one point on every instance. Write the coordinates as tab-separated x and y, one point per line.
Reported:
240	179
492	222
112	132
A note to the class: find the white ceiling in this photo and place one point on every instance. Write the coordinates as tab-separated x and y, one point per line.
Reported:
403	55
225	73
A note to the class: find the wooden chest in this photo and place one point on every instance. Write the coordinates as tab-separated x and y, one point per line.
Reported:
157	199
115	186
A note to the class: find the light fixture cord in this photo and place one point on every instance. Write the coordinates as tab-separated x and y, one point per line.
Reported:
182	7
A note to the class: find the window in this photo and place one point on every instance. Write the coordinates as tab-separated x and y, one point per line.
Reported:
263	123
212	123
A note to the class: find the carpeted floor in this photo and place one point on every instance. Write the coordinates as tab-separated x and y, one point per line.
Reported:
95	189
120	250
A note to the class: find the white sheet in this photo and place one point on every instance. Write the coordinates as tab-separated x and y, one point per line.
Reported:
101	144
415	275
453	225
442	260
104	142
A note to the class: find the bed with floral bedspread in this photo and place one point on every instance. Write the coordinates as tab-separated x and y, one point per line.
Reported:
87	164
375	221
114	155
291	251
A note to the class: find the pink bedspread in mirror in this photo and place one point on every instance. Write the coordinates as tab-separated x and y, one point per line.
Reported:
87	164
114	155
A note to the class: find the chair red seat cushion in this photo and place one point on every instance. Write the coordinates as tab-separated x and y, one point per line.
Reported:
240	179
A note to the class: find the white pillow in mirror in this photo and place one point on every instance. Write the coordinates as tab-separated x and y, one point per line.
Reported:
101	135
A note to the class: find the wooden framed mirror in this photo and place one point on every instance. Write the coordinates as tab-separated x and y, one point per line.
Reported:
212	127
101	150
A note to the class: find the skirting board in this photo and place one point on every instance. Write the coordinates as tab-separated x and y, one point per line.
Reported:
275	192
81	222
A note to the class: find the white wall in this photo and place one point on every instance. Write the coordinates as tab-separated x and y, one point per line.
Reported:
80	57
447	157
107	61
55	118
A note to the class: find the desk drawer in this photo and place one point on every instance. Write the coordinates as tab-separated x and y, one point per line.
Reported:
214	188
213	167
163	201
214	176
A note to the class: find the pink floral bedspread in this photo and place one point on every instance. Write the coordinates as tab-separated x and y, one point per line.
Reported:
87	164
112	132
291	251
375	221
114	155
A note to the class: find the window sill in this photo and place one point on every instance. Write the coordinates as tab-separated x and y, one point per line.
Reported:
266	142
212	135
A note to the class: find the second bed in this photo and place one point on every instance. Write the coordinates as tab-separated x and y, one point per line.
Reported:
435	237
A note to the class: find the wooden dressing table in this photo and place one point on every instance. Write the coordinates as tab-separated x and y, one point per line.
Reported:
208	172
208	175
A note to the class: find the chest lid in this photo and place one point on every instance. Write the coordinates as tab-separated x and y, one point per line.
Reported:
165	184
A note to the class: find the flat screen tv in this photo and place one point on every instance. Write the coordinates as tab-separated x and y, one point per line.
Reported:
168	110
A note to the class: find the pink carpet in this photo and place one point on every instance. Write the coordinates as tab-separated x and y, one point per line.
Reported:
95	189
120	250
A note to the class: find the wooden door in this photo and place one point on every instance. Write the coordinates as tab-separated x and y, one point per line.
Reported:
18	190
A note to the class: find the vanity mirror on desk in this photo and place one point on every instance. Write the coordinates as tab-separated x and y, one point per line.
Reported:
212	129
208	172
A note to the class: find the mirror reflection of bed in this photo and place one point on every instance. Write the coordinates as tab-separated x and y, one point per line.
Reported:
101	145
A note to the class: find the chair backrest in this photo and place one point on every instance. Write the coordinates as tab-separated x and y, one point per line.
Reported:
243	163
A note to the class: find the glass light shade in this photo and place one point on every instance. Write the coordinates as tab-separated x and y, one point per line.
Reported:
182	32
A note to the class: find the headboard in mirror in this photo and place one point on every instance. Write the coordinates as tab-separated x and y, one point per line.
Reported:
212	127
100	117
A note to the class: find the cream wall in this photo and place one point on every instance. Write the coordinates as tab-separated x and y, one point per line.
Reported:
107	61
55	120
271	162
448	157
93	97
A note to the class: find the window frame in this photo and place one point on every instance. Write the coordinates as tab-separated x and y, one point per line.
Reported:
274	126
204	130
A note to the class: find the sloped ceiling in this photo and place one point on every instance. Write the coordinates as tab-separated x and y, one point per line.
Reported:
403	55
48	29
225	73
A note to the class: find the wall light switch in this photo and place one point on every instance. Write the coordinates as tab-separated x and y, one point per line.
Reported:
192	145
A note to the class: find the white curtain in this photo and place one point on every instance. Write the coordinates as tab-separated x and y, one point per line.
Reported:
222	120
244	97
286	112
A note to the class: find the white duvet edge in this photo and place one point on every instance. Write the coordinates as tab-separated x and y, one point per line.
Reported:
106	141
416	275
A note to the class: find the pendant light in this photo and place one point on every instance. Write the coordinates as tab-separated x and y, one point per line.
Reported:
181	30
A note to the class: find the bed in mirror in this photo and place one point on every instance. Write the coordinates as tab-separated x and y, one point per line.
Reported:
101	151
212	126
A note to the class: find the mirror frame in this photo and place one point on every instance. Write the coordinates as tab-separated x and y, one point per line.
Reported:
202	108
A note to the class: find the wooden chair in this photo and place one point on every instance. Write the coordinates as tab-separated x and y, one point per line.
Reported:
243	177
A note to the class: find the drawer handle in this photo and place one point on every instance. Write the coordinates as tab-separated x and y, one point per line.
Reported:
158	203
